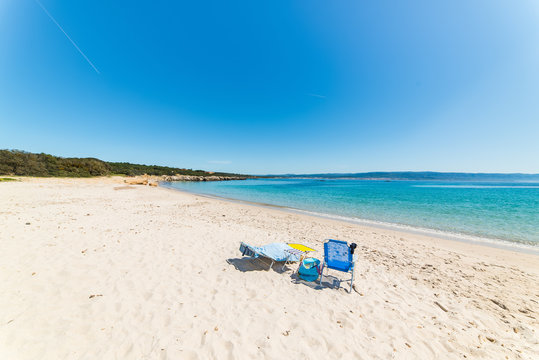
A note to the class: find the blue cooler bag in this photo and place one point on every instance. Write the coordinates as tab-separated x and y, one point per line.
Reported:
309	269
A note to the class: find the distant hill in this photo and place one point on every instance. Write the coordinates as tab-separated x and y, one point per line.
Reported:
21	163
420	175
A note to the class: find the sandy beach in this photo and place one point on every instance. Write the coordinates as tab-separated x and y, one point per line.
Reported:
97	269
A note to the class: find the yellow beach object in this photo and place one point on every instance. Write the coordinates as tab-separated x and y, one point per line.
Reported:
301	247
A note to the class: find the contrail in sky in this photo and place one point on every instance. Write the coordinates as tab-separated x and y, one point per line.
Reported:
67	36
317	95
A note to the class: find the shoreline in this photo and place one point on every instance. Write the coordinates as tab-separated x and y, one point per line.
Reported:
509	255
408	229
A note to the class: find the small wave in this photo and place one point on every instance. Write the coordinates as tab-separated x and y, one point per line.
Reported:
508	244
513	244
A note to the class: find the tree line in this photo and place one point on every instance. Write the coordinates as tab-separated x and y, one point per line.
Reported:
22	163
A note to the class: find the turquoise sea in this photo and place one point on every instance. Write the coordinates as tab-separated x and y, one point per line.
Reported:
505	212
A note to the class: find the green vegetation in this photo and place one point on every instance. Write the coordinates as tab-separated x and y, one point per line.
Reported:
21	163
136	169
7	179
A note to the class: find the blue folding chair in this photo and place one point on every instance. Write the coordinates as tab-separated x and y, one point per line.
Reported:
339	256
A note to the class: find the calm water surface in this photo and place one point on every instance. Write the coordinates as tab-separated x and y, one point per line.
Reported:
500	211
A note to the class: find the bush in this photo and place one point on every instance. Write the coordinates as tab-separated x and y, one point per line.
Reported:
22	163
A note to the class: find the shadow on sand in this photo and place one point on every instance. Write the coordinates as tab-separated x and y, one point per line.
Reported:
250	264
246	264
328	282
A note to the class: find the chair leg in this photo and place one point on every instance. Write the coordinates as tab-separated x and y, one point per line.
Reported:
351	282
300	262
285	262
321	274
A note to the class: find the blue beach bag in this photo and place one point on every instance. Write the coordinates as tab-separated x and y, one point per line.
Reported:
309	269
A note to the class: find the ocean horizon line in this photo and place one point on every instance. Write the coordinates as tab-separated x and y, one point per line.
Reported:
412	175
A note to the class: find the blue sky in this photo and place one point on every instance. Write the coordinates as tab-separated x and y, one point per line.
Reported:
275	86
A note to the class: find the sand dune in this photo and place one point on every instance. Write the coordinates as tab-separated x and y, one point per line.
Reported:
95	269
